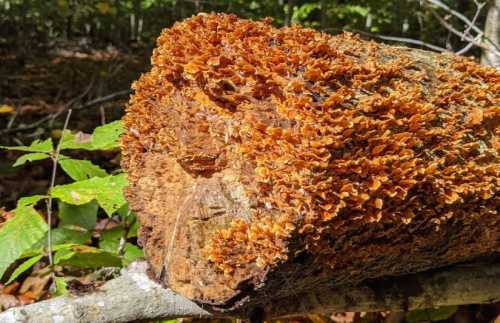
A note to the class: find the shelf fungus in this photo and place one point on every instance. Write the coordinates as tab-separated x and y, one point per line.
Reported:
266	162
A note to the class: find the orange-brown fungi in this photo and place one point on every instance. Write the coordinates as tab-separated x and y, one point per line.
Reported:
264	161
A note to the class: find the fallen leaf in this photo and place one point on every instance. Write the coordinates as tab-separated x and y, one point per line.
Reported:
7	110
34	287
8	301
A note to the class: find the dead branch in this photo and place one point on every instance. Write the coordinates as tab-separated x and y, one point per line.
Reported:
71	104
464	36
479	40
463	18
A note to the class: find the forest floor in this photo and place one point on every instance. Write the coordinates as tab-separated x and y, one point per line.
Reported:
36	92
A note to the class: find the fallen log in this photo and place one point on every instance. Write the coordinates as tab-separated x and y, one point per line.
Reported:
134	297
265	163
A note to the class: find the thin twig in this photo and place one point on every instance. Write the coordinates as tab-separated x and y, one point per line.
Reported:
479	7
86	105
104	99
464	19
400	39
55	159
467	47
412	41
461	34
126	230
11	120
72	102
51	116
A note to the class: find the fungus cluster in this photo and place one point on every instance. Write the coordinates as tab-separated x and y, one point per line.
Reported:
324	132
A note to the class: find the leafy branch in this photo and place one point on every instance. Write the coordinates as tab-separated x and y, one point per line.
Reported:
32	239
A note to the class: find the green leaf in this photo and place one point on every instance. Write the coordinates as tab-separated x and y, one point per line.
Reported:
29	200
29	158
124	211
132	253
132	232
84	216
77	140
433	314
131	220
80	170
69	236
41	247
111	196
23	267
77	193
61	286
61	238
18	235
108	135
110	239
86	257
36	146
108	191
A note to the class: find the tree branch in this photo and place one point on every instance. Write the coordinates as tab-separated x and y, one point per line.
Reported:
470	25
448	26
133	296
86	105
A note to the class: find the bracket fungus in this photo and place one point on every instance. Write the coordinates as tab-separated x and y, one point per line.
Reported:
264	162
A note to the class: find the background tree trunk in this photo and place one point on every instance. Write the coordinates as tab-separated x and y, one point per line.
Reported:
289	12
492	31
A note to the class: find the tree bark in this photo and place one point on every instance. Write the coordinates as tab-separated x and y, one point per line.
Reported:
133	296
492	32
289	12
266	162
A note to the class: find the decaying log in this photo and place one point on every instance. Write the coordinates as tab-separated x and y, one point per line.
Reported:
134	297
265	163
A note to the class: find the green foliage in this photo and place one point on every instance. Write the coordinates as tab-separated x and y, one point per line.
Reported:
80	170
19	234
81	256
302	14
63	235
82	216
36	146
61	286
77	140
80	204
110	239
30	158
433	314
123	21
108	191
107	136
104	137
23	267
132	253
29	200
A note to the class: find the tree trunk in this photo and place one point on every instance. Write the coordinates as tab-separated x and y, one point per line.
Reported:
324	14
289	12
265	163
492	32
